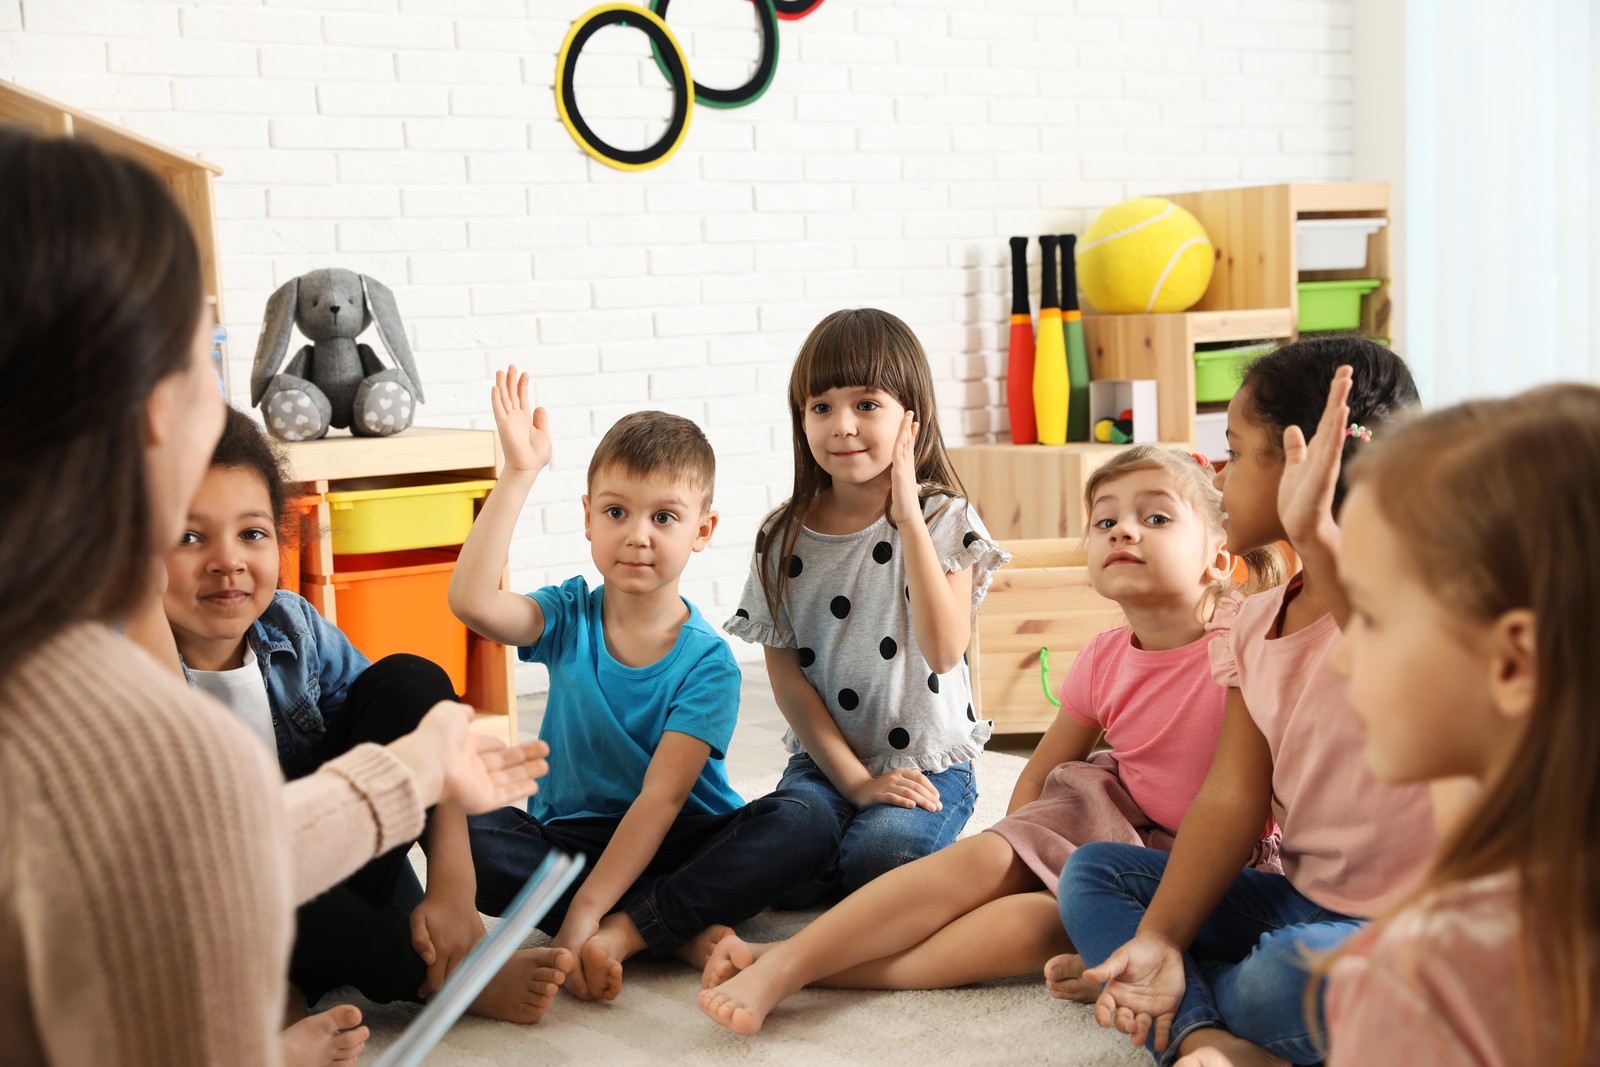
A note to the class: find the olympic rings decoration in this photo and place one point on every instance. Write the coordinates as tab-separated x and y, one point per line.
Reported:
766	67
674	66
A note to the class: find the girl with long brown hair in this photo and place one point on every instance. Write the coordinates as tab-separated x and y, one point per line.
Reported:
862	589
1472	652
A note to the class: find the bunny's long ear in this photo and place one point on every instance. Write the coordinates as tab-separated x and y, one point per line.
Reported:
276	324
386	313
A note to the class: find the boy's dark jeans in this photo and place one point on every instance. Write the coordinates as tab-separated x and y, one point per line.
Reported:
355	933
709	868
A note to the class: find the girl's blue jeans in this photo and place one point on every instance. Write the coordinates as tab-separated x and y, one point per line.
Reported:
1248	967
877	838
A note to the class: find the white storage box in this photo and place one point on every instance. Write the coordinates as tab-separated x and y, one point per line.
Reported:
1335	244
1211	435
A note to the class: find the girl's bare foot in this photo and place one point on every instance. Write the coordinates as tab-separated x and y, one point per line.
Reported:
729	955
333	1038
1064	976
601	958
743	1002
697	952
524	988
1211	1047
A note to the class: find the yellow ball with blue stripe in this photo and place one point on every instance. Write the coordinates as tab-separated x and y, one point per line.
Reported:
1145	256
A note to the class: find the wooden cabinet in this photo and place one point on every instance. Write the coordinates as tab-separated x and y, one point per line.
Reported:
1040	601
328	464
189	179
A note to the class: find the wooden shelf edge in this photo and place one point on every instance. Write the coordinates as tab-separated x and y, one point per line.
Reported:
419	450
1249	324
1340	196
41	110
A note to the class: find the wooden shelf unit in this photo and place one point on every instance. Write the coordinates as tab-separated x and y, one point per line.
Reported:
323	464
189	178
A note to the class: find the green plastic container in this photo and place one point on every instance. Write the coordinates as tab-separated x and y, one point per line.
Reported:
1334	305
1217	372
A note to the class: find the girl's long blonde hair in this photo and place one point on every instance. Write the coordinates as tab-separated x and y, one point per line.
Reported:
860	347
1192	475
1501	499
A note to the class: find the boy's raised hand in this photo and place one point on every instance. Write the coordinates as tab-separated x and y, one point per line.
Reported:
903	485
1311	472
524	431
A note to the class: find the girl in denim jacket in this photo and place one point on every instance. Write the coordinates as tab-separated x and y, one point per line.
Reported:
298	682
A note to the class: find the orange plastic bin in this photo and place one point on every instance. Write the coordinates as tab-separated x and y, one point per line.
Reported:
398	602
300	513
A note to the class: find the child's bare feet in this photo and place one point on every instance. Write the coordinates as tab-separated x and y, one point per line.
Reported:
1064	976
697	952
743	1002
729	955
333	1038
1211	1047
524	988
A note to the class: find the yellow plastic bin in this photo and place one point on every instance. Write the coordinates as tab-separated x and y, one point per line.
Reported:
397	517
399	602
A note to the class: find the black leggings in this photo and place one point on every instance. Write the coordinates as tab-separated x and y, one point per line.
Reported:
356	933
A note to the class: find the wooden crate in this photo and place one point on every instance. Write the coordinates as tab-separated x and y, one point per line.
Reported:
1041	599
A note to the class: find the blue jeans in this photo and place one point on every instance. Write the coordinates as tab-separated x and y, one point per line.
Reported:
1246	970
878	838
708	868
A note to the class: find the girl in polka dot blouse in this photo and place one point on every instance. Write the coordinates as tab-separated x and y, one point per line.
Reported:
862	589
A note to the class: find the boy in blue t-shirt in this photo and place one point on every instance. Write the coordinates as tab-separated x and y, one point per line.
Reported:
643	698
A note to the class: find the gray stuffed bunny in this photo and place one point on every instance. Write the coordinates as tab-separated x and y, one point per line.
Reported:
334	381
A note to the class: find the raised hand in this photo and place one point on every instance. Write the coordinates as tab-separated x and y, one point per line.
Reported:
524	431
1143	986
1311	472
903	787
903	484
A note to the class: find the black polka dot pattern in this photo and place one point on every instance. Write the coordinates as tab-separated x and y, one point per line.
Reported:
761	540
933	683
887	648
795	566
849	700
882	552
743	614
908	592
899	738
970	716
840	606
966	542
808	656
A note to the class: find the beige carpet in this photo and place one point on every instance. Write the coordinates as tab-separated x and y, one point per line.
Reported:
656	1020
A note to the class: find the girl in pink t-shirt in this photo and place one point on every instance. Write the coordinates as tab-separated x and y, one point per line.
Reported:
1194	955
1469	560
983	907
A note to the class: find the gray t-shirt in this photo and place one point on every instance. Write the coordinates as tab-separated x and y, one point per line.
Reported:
845	609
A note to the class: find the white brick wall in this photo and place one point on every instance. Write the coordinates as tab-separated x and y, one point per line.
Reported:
900	144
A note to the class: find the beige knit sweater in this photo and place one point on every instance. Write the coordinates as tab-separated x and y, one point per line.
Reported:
151	858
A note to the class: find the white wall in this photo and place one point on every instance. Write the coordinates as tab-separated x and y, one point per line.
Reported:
898	147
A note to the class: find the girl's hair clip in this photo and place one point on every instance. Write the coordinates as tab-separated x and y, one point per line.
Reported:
1200	458
1358	431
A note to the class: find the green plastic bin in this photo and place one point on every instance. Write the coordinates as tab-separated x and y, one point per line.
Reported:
1217	371
1334	305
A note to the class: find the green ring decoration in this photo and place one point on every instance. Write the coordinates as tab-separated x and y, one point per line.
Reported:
669	54
766	66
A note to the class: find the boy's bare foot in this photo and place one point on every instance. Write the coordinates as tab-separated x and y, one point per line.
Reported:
730	954
524	988
1064	976
697	951
600	958
1210	1047
743	1002
333	1038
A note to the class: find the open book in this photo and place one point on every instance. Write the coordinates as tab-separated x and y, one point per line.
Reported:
544	887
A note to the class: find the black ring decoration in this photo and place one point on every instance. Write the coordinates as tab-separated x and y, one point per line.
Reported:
677	74
795	9
766	15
